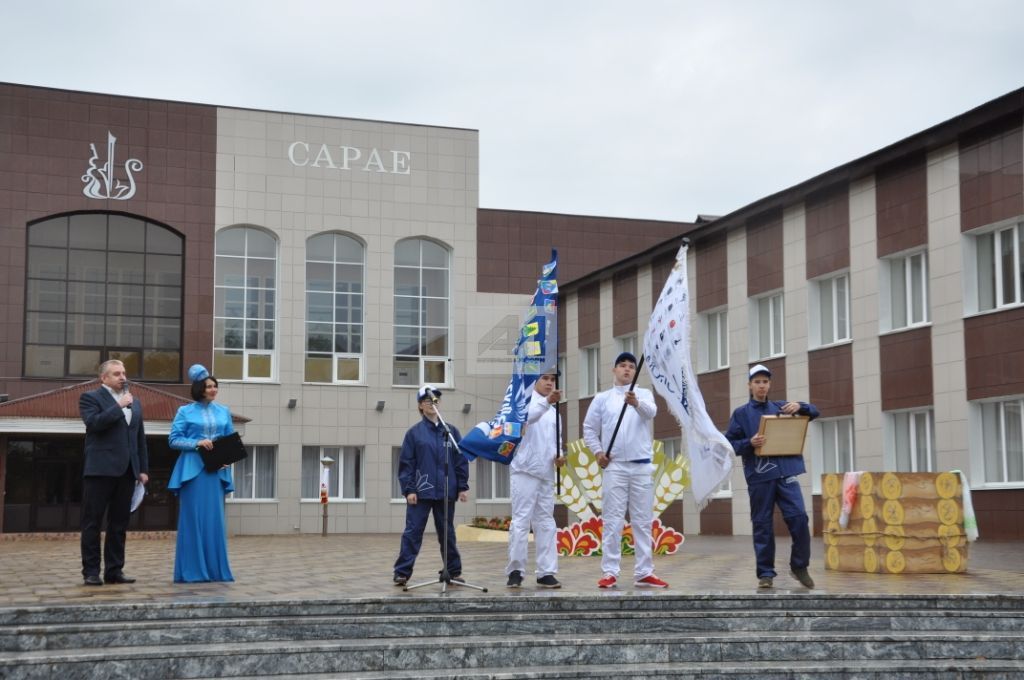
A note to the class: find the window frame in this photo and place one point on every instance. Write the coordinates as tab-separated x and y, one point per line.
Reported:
888	290
424	361
837	303
820	434
757	350
590	371
494	469
338	452
255	450
335	355
248	354
980	428
713	323
892	456
972	253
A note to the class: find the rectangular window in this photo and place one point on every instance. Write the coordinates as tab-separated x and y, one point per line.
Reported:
625	343
713	352
255	477
590	366
492	481
767	327
346	472
904	291
999	264
913	441
837	444
830	310
1003	440
396	486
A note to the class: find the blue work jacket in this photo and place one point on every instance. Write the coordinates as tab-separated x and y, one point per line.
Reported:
421	465
744	424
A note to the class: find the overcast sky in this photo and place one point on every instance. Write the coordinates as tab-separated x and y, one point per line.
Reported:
657	110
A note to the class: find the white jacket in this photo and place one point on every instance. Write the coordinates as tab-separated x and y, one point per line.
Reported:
635	438
537	451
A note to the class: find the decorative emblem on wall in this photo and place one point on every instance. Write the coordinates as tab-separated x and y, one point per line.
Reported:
100	181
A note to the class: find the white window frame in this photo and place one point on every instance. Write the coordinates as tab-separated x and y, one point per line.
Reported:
625	343
829	311
590	371
1006	231
714	333
826	432
337	485
256	451
768	348
336	356
423	361
897	275
246	352
487	479
909	421
989	426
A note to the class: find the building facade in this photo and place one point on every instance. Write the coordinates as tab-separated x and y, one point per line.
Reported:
888	291
323	268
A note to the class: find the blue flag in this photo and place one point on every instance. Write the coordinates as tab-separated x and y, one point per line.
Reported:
536	353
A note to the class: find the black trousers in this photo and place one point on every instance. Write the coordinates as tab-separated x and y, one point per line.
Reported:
111	496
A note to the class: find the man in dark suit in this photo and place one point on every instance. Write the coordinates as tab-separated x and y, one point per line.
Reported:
115	456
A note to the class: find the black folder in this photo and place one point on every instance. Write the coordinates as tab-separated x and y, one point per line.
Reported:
226	450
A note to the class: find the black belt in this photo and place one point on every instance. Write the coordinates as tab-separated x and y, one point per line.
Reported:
642	460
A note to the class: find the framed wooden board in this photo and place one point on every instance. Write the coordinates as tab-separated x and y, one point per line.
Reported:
784	435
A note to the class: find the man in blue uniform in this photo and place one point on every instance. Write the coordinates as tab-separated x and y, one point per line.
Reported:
772	480
421	473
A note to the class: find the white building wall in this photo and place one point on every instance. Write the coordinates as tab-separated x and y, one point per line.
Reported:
739	352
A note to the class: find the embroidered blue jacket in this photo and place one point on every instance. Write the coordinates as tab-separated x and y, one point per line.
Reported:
744	424
421	465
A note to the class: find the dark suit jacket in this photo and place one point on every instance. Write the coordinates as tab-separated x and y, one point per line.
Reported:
111	443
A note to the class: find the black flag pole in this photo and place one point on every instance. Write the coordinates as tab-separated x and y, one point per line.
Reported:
622	413
558	438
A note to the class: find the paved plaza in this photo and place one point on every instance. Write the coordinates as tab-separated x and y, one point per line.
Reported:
46	571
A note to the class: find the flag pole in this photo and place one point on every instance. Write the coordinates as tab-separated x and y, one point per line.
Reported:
622	413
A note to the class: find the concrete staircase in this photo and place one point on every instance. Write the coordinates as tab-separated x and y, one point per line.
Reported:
528	635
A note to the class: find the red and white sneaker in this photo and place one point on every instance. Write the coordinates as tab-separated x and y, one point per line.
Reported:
650	581
607	581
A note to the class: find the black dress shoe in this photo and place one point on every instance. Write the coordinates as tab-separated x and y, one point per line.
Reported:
119	577
93	580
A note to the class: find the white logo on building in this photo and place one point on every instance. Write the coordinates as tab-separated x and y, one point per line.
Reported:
100	181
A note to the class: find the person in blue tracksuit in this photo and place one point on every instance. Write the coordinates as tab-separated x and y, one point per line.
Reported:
421	473
772	480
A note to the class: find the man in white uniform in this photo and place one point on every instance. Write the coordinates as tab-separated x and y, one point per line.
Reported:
533	488
627	478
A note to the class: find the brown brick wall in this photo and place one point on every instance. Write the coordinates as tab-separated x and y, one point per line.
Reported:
905	360
624	311
44	151
901	202
827	240
764	253
712	272
589	314
994	350
714	387
991	168
830	377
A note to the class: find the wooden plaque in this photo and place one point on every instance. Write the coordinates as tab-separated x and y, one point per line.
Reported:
784	435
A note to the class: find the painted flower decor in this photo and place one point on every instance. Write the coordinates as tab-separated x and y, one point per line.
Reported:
583	539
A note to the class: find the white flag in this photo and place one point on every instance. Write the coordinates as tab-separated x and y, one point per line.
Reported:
667	356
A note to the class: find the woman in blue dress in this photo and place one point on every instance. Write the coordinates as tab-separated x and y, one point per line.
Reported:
202	551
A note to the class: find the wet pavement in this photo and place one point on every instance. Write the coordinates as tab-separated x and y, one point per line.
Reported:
46	571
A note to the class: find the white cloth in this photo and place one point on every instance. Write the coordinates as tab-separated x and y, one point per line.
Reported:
627	484
537	451
533	504
970	520
635	438
667	353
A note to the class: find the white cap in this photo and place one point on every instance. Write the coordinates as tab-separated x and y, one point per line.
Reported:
759	368
427	392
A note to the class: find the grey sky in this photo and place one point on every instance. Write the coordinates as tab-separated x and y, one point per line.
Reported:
650	109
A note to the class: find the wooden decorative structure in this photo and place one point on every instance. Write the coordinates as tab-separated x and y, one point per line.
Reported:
900	523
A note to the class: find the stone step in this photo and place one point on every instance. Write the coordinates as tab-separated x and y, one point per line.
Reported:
903	648
860	669
526	602
150	633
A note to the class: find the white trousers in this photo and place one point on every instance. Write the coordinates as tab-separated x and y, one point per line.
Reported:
533	505
627	485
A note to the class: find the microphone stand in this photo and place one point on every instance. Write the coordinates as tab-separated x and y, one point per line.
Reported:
444	577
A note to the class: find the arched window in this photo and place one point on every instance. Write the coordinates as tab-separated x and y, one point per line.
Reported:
334	309
245	291
422	313
103	286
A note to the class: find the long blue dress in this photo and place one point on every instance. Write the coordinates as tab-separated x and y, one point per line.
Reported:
202	549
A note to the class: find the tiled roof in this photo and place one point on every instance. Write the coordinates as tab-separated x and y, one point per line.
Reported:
63	403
